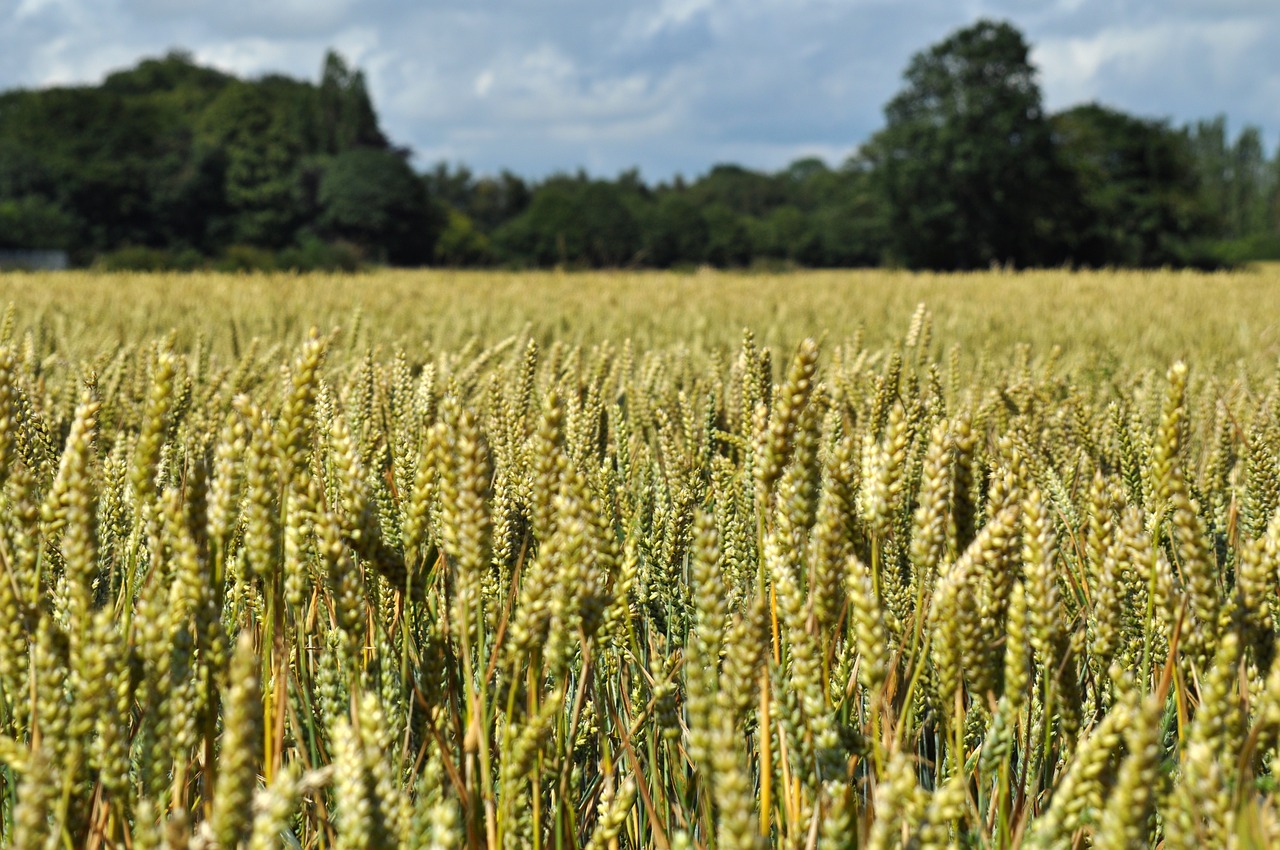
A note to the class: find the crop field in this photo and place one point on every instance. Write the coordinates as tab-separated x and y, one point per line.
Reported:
717	561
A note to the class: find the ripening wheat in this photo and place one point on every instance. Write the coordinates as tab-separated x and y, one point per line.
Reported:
331	593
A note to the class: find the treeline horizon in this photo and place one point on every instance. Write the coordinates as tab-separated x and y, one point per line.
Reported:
171	165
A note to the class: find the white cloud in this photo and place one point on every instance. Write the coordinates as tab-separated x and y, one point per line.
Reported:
669	85
278	18
647	23
247	57
1083	67
1180	70
65	61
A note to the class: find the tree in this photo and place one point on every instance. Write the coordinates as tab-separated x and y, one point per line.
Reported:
460	243
849	235
965	166
373	198
94	154
261	139
347	118
34	223
1272	202
674	231
572	221
787	233
23	168
1141	200
168	154
487	201
744	191
728	239
1209	148
174	78
1235	181
449	185
495	200
810	184
1252	183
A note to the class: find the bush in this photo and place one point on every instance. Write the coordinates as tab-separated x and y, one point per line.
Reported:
315	255
373	198
189	260
34	223
574	223
462	244
1248	249
140	258
246	258
310	255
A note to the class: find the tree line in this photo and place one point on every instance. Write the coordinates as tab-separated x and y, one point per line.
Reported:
174	165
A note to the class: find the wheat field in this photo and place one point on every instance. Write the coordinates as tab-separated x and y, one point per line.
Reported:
814	560
1137	319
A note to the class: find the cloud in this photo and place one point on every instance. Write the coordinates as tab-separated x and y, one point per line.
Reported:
669	15
666	85
283	19
1181	69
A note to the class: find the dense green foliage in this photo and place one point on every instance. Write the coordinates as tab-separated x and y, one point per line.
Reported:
168	164
1138	188
372	197
966	168
176	158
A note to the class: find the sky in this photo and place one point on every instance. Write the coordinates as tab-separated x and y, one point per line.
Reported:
665	86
